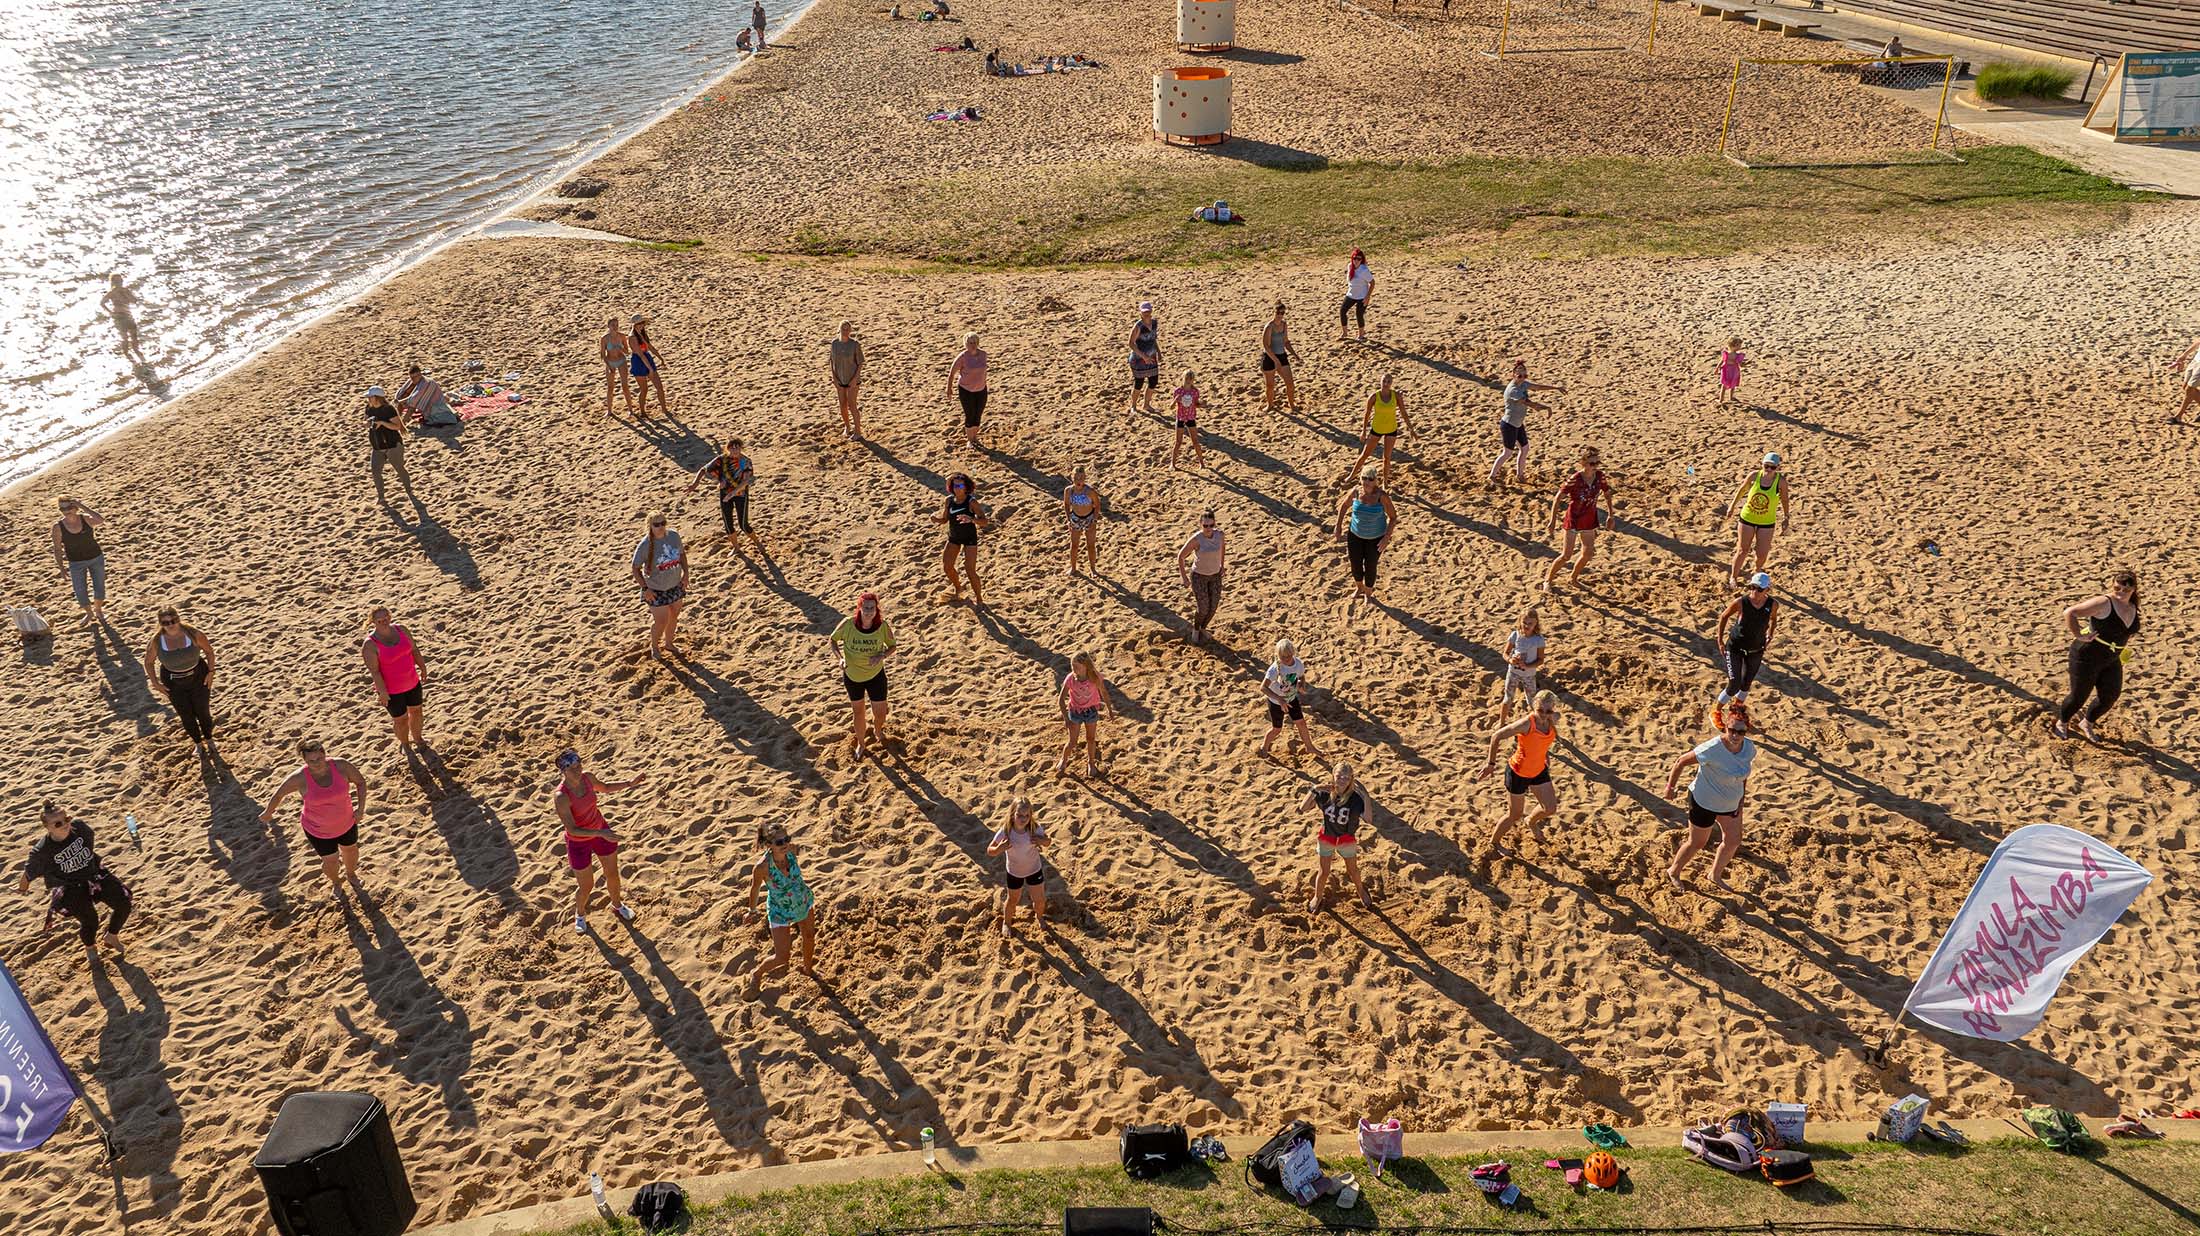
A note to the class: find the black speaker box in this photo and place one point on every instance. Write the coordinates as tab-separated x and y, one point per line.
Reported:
1107	1221
330	1168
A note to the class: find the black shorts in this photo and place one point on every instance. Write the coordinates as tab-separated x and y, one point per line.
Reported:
1515	437
973	403
400	701
326	846
1700	816
873	687
1276	712
1145	381
1516	784
1268	364
1035	880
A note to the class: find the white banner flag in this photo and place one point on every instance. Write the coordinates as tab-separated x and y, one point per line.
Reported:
2047	895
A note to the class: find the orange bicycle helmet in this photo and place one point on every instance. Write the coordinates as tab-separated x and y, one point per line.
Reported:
1601	1170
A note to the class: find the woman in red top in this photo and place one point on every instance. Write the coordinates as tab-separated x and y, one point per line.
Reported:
1530	769
1577	502
587	837
394	664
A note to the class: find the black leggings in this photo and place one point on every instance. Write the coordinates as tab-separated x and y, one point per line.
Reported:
1352	305
2097	671
1364	551
729	508
1741	669
190	696
82	901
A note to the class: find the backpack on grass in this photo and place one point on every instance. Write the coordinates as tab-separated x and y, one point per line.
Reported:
1721	1147
1151	1150
1786	1167
1265	1165
658	1207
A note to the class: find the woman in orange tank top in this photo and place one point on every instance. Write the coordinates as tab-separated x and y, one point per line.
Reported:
1530	769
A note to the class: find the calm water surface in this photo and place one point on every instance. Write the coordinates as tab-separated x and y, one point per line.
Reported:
245	163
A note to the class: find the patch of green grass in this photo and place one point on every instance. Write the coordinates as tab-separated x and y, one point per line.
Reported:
1999	82
1462	208
667	246
2000	1187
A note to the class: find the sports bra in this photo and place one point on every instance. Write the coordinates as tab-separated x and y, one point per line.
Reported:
180	661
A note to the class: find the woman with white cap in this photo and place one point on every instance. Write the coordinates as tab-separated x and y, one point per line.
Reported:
385	441
1145	356
1745	631
1763	503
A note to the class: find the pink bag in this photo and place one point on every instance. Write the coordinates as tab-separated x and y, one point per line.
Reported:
1382	1143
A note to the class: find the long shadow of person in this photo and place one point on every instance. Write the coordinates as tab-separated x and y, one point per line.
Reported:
124	687
751	728
147	1123
479	844
892	1103
430	1040
684	1026
1169	1056
255	856
446	551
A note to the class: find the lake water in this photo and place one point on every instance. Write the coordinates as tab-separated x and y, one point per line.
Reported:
247	163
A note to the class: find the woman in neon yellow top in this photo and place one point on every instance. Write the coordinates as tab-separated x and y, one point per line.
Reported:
1763	503
861	643
1383	422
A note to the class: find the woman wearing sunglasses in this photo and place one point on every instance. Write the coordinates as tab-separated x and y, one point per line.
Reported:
77	882
587	838
1762	504
179	664
660	570
1714	796
963	516
787	904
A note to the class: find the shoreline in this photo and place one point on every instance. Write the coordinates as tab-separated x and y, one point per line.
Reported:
351	291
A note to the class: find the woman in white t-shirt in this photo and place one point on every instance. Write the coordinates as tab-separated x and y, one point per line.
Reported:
660	570
1021	840
1715	796
1359	288
1282	685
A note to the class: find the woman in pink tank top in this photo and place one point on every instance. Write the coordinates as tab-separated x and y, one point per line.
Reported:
394	665
332	797
588	840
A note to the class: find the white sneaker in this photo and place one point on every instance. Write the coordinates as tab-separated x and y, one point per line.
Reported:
625	913
580	924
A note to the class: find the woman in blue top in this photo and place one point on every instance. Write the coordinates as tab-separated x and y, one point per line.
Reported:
787	904
1715	796
1365	520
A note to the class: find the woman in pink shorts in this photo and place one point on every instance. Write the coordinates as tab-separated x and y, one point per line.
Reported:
587	837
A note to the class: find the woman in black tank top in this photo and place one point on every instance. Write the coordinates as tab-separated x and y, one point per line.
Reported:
963	516
1745	631
2097	652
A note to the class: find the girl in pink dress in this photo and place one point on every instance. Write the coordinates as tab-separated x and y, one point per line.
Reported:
1730	370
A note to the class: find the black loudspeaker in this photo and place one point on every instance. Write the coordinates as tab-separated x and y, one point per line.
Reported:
330	1168
1107	1221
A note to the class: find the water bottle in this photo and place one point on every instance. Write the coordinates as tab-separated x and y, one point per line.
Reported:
130	826
930	1159
595	1190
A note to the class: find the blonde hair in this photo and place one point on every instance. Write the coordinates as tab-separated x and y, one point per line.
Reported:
1546	699
1286	650
970	340
1084	659
1531	617
1370	471
1019	808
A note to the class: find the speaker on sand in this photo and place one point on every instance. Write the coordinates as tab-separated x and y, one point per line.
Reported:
1107	1221
330	1168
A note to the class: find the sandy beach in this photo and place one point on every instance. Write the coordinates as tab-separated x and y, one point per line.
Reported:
1975	429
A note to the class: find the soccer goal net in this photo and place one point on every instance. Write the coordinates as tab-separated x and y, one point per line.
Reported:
1852	112
1528	27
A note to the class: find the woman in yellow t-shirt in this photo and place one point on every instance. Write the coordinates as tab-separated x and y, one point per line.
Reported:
862	642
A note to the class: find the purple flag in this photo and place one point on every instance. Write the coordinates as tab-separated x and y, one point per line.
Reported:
35	1087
